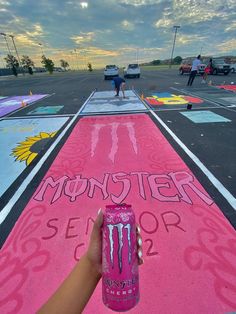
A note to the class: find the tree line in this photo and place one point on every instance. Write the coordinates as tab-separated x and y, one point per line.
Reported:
176	60
28	64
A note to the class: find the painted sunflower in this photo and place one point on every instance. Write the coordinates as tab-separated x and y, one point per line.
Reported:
29	149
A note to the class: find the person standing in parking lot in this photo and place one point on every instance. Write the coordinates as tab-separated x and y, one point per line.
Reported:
211	65
208	70
194	69
119	84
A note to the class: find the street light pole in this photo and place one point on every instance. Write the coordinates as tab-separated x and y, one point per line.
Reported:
5	37
85	61
171	58
137	55
12	37
76	57
73	59
41	46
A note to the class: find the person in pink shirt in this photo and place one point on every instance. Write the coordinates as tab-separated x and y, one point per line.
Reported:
207	71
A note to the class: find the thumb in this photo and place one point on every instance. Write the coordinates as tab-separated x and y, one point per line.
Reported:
96	232
99	220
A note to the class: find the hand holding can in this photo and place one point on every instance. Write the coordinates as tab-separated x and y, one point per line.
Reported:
120	277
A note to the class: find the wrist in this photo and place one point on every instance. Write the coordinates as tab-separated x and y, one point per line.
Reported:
94	270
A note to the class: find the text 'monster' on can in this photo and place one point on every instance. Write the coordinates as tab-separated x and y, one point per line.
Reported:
120	279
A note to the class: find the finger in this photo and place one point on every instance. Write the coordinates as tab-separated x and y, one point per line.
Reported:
139	237
138	230
139	242
140	257
139	245
97	225
99	220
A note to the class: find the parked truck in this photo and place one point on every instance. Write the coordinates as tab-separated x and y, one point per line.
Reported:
220	66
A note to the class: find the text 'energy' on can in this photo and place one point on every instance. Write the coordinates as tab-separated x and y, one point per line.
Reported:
120	279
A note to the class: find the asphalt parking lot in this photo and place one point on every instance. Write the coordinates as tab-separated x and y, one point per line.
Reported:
77	143
213	144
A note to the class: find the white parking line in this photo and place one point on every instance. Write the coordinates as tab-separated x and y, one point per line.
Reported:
41	116
7	208
103	113
218	185
183	108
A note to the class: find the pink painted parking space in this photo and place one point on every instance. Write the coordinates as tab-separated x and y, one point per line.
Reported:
231	87
188	244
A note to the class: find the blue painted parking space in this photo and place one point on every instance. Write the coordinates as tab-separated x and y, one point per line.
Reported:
205	116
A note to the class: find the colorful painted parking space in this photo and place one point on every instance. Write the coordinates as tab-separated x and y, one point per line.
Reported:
167	100
223	95
21	140
197	98
103	102
110	152
11	104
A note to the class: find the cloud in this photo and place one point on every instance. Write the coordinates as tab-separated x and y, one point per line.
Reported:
164	22
83	37
187	39
127	25
22	26
99	52
27	35
36	32
96	55
113	30
131	54
184	13
227	46
78	4
24	40
231	27
124	50
199	10
84	5
31	37
4	3
138	2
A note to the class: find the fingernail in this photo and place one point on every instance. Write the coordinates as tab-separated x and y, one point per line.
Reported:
140	241
99	211
140	254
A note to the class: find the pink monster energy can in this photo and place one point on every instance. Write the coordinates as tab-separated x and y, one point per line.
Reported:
120	278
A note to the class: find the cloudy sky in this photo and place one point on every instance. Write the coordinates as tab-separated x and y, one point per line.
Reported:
117	31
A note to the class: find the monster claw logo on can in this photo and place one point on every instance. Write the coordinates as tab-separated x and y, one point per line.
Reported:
120	279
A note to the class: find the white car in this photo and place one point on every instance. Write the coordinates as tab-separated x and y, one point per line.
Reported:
233	67
111	71
132	70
